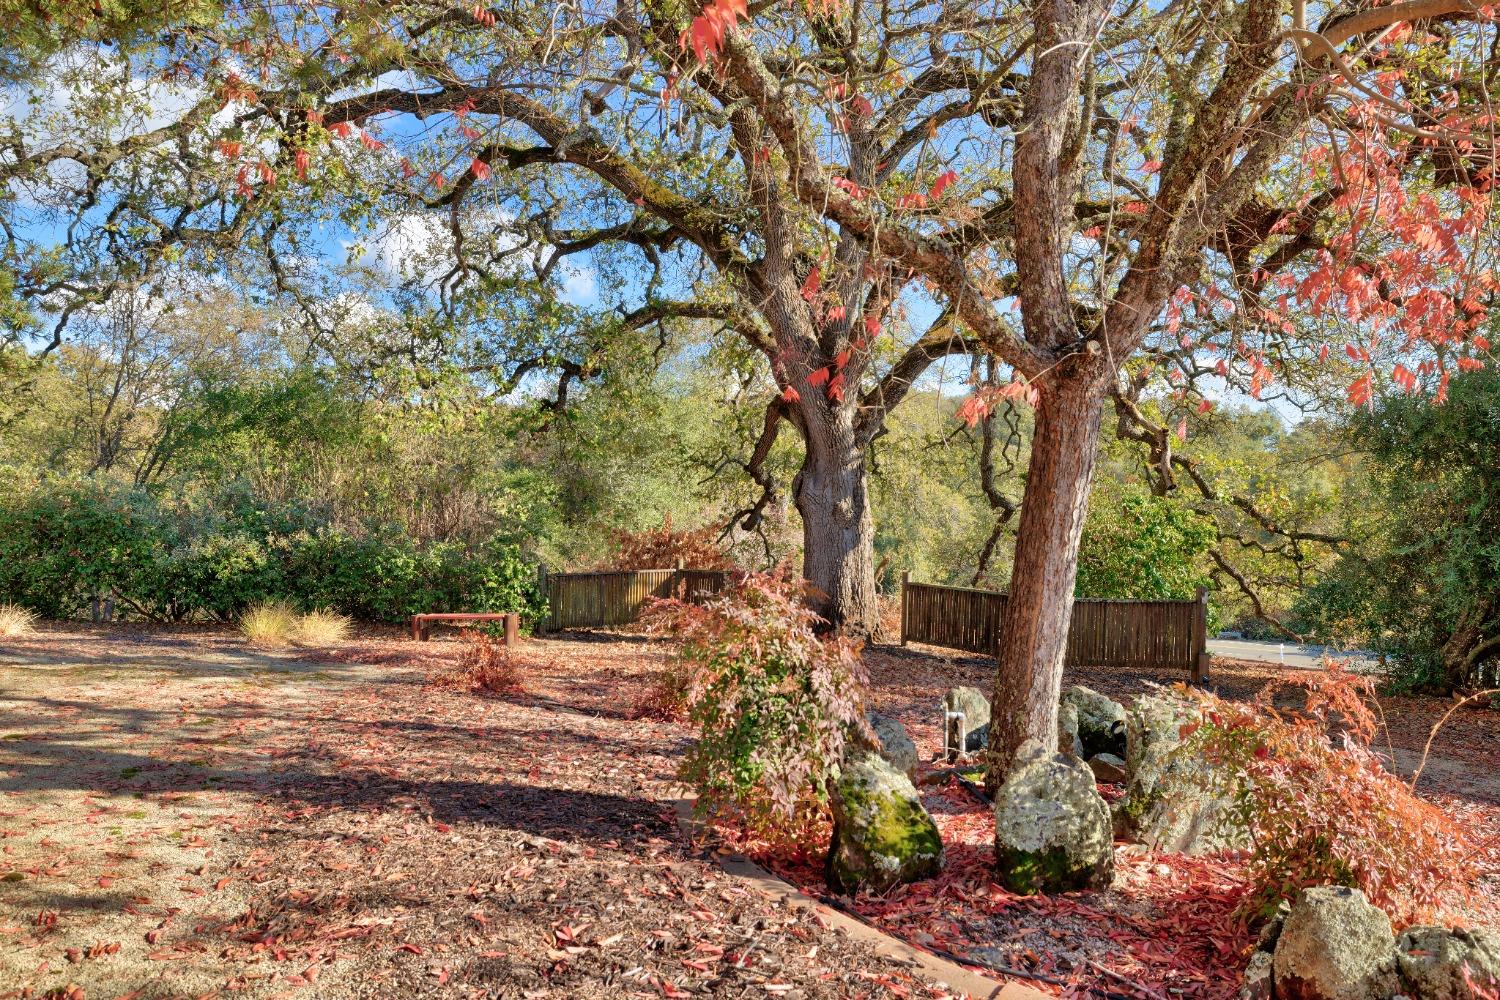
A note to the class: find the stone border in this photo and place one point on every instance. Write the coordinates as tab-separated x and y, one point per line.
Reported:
949	974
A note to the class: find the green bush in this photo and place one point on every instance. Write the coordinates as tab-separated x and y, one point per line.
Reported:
1422	587
62	543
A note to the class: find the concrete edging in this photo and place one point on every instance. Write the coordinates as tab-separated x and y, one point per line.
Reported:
950	974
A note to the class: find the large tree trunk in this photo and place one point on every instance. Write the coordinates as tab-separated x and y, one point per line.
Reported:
1472	642
1034	629
838	533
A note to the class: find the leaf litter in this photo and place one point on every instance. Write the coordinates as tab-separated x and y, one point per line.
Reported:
182	817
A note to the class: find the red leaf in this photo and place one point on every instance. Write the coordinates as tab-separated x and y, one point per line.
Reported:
945	178
818	377
479	169
1360	391
790	395
811	285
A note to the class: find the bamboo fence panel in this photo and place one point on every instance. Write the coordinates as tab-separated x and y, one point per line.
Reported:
616	597
1103	633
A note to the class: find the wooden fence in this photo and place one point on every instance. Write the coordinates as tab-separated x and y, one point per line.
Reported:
1140	634
610	597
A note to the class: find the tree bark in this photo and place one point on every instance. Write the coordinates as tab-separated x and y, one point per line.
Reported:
1034	629
838	532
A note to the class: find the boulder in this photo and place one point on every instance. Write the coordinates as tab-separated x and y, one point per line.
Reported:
1067	730
1174	802
1153	730
1052	831
1108	769
882	835
1098	722
1335	946
1258	978
895	745
970	733
1441	964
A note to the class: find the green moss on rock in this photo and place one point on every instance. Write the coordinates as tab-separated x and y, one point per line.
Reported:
883	836
1052	829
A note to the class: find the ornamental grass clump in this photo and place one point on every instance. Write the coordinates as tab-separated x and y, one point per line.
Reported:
1320	805
773	703
16	622
323	628
270	623
487	664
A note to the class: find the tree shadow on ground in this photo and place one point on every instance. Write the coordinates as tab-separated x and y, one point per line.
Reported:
506	789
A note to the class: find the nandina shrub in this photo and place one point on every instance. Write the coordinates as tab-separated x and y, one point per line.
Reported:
665	548
1320	806
773	702
666	698
484	664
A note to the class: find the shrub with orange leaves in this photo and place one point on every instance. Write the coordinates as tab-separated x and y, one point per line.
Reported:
484	664
774	703
664	548
1321	806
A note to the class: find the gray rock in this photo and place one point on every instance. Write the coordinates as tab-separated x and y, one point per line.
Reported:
971	733
1258	983
1440	964
1153	727
1271	932
1174	802
882	834
1067	730
1052	831
1108	769
1335	946
1098	722
895	745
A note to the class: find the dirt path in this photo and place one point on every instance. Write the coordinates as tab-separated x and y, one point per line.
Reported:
182	817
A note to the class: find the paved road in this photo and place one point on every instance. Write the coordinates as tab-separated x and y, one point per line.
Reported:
1291	653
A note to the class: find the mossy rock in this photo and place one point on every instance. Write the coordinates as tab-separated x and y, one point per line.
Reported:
1174	802
895	745
1439	963
1052	828
882	834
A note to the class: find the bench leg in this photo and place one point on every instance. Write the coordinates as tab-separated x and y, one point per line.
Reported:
512	629
417	632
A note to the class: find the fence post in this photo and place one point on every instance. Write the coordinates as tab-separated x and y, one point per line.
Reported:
905	578
512	630
541	582
1200	637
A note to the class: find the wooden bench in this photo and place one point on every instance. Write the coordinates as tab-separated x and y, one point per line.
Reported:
420	623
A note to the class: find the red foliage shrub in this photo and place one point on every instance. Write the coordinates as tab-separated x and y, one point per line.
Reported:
773	701
484	664
664	548
667	696
1320	805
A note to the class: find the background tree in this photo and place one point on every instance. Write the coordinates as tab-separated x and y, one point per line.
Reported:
1423	586
1070	188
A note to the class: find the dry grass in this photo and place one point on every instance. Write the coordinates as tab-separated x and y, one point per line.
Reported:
16	622
274	623
323	628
